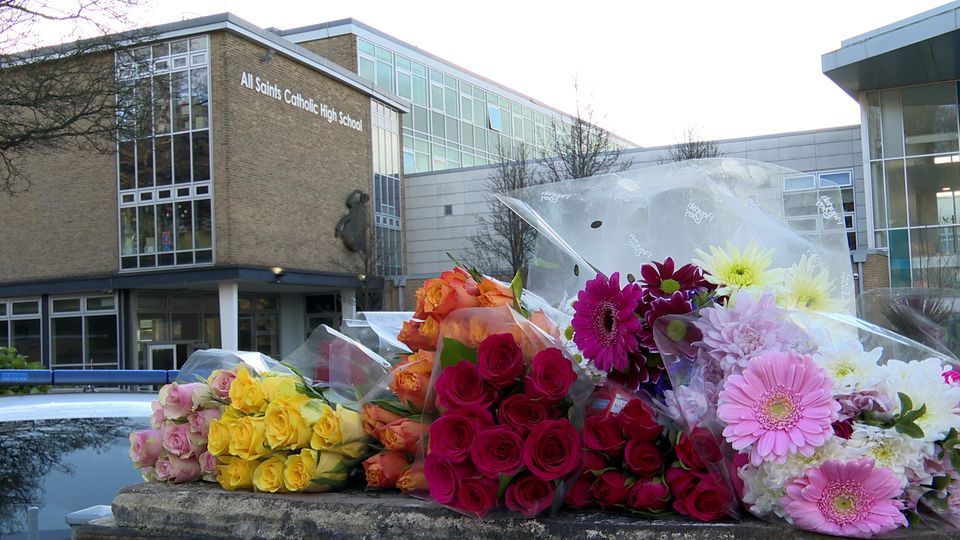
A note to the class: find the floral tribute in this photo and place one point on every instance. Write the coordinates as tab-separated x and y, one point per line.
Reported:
826	434
502	401
631	464
272	433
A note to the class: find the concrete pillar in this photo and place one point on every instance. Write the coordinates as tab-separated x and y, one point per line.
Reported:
229	316
348	303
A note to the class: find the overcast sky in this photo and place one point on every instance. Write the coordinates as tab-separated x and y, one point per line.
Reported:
648	68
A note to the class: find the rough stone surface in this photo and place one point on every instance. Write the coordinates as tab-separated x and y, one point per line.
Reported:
206	512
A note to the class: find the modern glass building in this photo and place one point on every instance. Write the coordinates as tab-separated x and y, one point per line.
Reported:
905	77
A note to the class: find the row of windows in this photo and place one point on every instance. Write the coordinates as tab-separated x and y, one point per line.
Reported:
163	104
801	194
164	160
386	189
912	121
166	234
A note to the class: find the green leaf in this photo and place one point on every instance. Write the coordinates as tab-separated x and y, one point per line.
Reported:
909	429
955	459
470	270
913	415
516	287
940	483
392	405
504	482
454	351
905	403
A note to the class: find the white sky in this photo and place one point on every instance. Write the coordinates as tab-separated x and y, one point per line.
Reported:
648	68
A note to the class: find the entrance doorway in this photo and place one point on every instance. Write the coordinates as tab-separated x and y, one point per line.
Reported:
162	356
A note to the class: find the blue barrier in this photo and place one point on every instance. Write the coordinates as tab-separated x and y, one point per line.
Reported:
85	377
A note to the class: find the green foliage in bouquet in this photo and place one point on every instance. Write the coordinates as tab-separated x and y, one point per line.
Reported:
9	359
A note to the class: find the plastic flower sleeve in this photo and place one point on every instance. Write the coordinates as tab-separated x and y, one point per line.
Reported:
345	367
615	223
378	331
923	315
203	362
828	422
504	410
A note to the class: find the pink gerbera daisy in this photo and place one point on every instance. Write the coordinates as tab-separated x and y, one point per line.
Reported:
604	322
846	499
781	405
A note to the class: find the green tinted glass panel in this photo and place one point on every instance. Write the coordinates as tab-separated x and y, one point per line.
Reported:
899	259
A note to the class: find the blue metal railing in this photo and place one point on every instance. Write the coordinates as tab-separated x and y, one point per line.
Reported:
84	377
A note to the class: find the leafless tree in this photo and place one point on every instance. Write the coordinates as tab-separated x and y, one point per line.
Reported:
580	149
691	146
62	96
504	242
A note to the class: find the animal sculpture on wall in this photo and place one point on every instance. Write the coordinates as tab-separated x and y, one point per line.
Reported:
352	228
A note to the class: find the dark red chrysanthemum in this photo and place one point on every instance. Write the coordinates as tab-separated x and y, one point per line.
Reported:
662	280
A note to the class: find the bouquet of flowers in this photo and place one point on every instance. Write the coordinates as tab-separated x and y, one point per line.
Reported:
630	461
506	402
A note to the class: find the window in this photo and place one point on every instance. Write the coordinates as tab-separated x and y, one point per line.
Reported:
83	332
387	199
803	193
161	226
322	309
493	118
20	327
259	324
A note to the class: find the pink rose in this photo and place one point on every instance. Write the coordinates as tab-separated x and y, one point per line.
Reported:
649	495
451	437
163	470
157	417
530	496
550	376
500	360
199	421
477	496
552	450
145	447
497	451
183	470
220	381
176	439
178	400
462	384
208	463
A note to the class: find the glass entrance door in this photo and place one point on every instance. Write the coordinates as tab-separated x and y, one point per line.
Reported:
162	356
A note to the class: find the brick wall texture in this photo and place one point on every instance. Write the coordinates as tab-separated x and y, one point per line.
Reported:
876	272
340	49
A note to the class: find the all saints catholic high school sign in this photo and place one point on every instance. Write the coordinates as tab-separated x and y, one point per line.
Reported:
296	99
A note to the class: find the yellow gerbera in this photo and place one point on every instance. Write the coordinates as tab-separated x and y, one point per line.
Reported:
733	270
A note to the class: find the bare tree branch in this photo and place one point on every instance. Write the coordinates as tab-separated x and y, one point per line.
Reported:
691	146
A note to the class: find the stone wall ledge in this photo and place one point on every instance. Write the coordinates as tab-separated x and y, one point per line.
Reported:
204	511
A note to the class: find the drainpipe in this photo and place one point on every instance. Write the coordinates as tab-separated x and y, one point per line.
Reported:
400	282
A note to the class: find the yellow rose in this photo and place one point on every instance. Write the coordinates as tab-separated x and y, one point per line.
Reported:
354	440
298	470
246	395
316	471
248	439
235	473
326	430
268	476
278	386
332	469
218	437
289	420
229	413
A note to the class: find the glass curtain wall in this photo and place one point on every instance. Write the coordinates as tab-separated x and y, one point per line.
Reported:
164	156
451	123
388	248
915	179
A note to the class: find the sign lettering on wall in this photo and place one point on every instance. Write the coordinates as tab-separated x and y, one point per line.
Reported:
296	99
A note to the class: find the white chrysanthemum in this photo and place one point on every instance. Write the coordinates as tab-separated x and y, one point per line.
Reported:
889	449
807	287
923	383
756	495
732	270
850	367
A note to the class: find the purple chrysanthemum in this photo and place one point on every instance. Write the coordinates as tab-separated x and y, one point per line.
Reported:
662	280
604	322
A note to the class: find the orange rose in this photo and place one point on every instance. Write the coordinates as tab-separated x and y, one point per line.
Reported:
494	293
544	323
384	469
375	417
411	336
449	292
430	332
410	379
412	479
402	435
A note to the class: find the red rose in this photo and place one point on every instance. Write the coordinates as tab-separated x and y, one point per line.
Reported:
593	461
580	494
708	501
462	385
638	421
500	360
602	434
479	415
610	489
497	451
698	449
650	495
739	460
520	412
530	496
477	496
643	458
441	478
451	436
552	450
550	376
681	483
